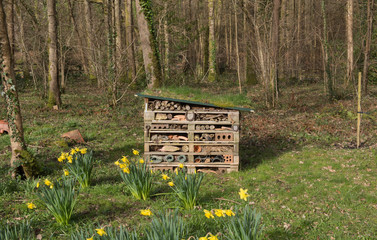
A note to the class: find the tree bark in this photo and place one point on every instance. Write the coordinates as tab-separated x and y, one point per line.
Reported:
328	78
273	84
89	35
130	45
166	42
148	43
54	91
367	45
118	35
237	47
16	132
349	21
10	24
211	42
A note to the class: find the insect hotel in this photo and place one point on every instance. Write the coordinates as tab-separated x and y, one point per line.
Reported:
201	136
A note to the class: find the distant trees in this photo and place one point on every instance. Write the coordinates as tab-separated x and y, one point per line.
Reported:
268	42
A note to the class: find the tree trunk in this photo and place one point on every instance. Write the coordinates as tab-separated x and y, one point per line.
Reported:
166	42
349	21
54	91
211	42
273	84
10	24
367	44
130	45
118	35
148	43
328	79
16	132
89	40
237	47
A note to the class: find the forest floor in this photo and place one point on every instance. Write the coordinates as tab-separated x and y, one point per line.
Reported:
298	162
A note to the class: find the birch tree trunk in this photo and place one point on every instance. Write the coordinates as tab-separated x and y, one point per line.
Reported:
118	35
9	90
349	21
237	47
211	42
148	43
54	91
166	42
89	34
367	44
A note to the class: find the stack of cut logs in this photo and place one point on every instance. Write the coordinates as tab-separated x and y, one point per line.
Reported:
204	137
211	117
168	106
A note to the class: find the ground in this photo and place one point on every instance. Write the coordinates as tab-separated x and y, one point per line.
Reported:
298	162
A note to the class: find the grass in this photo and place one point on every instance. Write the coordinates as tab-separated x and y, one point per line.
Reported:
298	164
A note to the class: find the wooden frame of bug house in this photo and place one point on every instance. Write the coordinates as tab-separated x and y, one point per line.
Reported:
201	136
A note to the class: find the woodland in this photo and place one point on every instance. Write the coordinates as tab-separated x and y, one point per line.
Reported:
308	69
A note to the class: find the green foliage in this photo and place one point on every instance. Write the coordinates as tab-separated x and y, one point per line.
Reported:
59	198
8	185
29	185
112	233
81	166
166	226
29	163
137	177
186	188
16	231
245	226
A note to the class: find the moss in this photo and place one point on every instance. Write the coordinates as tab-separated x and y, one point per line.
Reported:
28	163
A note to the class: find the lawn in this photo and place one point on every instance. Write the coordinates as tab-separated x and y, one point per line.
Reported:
298	162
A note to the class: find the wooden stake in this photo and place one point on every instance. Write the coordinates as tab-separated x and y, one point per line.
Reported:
358	110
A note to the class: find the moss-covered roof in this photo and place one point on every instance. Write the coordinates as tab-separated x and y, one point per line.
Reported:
196	98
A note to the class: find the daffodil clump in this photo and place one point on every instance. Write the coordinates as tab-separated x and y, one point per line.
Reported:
16	230
59	198
209	236
104	233
78	163
137	175
185	186
167	226
246	224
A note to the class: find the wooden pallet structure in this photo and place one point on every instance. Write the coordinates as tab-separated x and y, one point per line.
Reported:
201	136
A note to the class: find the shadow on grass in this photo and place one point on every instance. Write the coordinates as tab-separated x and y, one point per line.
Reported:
254	151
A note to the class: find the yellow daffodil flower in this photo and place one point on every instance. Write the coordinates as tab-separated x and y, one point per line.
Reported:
73	151
90	238
47	182
229	212
181	165
117	163
66	173
52	186
135	152
208	214
100	231
243	194
151	171
126	170
31	205
38	184
212	237
219	212
60	159
125	159
203	238
165	177
83	150
176	171
171	184
69	158
146	212
141	161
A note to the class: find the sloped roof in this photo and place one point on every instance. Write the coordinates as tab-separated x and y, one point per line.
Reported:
192	102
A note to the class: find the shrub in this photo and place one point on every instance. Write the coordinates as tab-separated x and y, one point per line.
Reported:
79	163
137	176
166	226
59	198
186	187
107	233
21	230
